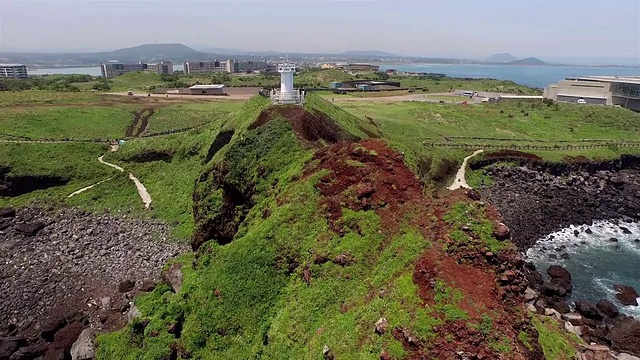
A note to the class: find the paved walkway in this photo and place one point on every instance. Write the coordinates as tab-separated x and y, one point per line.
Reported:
460	181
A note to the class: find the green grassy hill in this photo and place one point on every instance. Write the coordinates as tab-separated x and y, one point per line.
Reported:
312	232
302	246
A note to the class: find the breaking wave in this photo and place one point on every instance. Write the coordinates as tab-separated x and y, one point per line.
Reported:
598	256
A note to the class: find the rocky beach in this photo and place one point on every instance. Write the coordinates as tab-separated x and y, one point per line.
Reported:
65	273
535	203
571	215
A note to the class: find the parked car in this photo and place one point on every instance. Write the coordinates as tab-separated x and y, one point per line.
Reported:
582	101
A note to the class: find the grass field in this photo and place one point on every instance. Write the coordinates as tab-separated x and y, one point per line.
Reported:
66	122
170	183
284	232
506	120
406	125
447	84
43	97
188	115
135	81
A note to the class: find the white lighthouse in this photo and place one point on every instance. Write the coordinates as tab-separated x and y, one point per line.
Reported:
287	94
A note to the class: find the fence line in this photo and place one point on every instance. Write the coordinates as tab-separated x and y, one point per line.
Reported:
533	140
26	140
531	147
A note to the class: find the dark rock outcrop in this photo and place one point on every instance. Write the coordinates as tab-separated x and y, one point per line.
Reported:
126	286
62	272
502	232
587	310
49	328
626	295
536	200
625	337
173	276
558	272
7	212
29	229
561	307
607	308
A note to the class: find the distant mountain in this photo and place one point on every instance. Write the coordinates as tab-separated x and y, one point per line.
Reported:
175	52
527	61
502	57
220	51
369	53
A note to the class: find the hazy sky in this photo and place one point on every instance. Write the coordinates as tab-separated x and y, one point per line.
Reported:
567	29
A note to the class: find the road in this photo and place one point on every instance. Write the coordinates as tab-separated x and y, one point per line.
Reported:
408	97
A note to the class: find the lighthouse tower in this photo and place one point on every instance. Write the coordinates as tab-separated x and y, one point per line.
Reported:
287	94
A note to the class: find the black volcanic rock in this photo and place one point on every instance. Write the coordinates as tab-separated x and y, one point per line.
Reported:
29	229
7	212
558	272
627	295
607	308
625	337
587	310
536	200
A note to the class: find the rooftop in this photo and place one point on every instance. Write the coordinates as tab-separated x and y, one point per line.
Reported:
6	65
616	79
216	86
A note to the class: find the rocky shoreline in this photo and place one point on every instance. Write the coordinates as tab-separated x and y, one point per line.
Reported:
62	272
534	203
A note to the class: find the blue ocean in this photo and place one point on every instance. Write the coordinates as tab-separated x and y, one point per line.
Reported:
534	76
596	261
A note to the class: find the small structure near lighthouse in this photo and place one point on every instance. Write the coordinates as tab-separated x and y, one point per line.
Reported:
287	95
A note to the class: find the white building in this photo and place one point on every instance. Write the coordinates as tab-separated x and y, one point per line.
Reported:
207	67
287	94
163	67
229	66
215	89
15	71
112	70
600	90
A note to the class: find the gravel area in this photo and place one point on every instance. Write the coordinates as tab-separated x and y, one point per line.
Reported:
51	261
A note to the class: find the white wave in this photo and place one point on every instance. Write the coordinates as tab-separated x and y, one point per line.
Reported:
600	238
597	263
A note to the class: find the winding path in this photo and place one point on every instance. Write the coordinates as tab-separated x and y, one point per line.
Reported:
460	181
142	191
88	187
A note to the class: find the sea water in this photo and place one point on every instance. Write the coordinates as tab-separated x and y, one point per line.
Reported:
530	75
596	262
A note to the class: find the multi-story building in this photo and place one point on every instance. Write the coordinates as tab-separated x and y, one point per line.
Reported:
245	66
204	67
601	90
111	70
15	71
163	67
229	66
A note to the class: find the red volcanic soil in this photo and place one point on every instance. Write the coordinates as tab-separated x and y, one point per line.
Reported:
309	127
368	175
